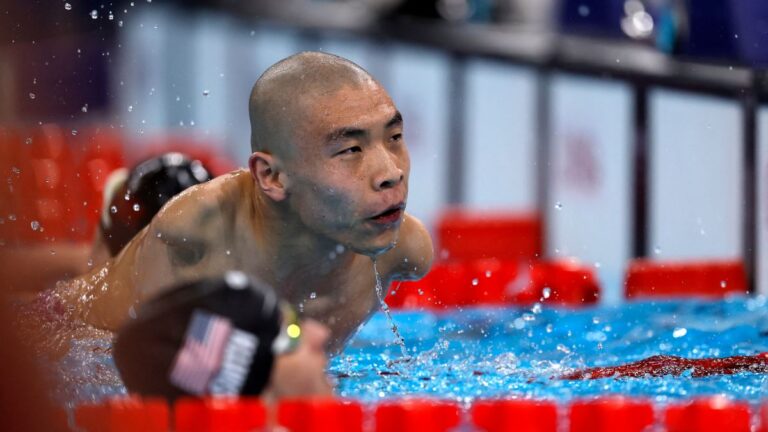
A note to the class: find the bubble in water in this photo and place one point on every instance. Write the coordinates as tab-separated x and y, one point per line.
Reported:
113	209
206	92
130	108
90	262
74	132
488	273
132	312
584	10
94	14
228	252
28	141
111	16
127	196
31	95
136	207
475	282
15	170
723	284
67	6
11	217
313	295
657	250
546	292
53	251
159	235
120	23
35	225
84	108
679	332
558	205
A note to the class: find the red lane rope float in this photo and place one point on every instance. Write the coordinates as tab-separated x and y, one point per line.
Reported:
320	415
662	365
219	415
711	279
422	415
611	413
465	235
124	415
521	415
715	414
492	281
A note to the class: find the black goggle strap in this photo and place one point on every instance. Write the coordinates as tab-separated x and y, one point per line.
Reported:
290	331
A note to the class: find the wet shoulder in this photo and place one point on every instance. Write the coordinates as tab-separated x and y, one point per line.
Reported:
411	257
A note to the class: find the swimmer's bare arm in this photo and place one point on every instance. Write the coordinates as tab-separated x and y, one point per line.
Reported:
411	257
178	245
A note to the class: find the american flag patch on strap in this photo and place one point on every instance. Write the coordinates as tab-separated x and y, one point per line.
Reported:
199	359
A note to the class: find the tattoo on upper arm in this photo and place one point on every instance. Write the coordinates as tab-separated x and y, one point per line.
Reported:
186	252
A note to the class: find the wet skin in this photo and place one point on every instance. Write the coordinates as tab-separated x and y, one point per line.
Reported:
307	218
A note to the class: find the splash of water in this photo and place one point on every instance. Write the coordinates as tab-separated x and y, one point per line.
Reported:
385	308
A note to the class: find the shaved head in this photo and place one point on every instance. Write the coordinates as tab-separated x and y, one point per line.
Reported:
284	92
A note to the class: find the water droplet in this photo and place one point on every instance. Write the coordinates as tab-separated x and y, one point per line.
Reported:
313	295
11	217
94	14
127	196
228	252
546	292
475	282
28	141
74	132
130	108
84	108
558	205
679	332
159	235
15	170
111	16
340	250
736	36
113	209
67	6
136	207
132	312
488	273
31	95
90	262
723	284
35	225
120	23
206	92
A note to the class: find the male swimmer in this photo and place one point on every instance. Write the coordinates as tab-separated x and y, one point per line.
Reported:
324	196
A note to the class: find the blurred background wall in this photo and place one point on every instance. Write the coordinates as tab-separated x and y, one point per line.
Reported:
632	128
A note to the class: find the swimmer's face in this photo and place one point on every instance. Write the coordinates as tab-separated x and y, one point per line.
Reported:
348	168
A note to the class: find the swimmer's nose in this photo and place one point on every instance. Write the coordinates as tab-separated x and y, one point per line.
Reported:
389	174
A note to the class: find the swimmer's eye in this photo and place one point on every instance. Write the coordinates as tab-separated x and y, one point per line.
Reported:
350	150
397	137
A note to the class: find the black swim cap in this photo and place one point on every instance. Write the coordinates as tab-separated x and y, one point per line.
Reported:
149	186
209	337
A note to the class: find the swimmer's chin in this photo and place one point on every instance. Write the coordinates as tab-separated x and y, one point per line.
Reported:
374	251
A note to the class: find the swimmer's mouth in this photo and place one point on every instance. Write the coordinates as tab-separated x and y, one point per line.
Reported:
390	215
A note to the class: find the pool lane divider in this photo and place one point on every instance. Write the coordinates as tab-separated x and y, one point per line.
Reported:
712	279
496	282
611	413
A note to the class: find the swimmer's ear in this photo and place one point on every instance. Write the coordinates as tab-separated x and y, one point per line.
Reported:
265	170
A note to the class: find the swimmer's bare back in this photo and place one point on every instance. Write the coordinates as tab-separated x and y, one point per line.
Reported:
225	225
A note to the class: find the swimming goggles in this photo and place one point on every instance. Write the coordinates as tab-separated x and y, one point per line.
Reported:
287	341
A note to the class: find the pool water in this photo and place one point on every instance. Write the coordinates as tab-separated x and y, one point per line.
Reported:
476	353
494	352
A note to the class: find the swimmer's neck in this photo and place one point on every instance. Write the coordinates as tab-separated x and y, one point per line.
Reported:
292	251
